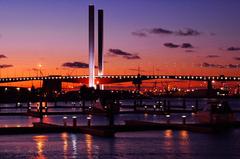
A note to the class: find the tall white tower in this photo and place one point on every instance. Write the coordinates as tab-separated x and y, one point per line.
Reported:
91	47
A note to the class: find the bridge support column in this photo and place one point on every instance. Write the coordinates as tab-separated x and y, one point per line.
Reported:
209	87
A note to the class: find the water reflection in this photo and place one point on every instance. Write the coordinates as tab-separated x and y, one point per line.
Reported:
168	141
74	145
168	134
64	137
89	145
40	143
184	145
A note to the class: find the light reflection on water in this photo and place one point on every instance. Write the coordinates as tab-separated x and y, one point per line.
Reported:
74	145
64	137
89	145
40	145
147	144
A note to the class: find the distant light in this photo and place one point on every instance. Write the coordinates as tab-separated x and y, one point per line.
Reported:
167	116
39	65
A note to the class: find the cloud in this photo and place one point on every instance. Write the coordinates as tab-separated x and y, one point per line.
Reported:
188	32
213	34
233	49
126	55
163	31
187	46
212	56
171	45
237	58
2	56
139	34
211	65
5	66
160	31
76	65
232	66
190	51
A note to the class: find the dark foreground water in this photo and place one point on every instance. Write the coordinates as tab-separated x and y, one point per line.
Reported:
148	144
166	144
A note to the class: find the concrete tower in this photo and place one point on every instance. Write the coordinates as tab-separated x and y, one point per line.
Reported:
100	42
91	47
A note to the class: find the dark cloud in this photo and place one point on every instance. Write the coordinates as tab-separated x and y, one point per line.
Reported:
35	69
139	34
188	32
126	55
212	56
171	45
184	32
211	65
233	49
5	66
187	46
232	66
190	51
237	58
160	31
76	65
2	56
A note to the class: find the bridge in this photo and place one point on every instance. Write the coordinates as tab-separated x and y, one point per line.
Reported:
55	82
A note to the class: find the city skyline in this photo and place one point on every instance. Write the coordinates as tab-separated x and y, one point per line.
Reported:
161	37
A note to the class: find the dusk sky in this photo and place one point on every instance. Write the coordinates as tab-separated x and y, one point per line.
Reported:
167	36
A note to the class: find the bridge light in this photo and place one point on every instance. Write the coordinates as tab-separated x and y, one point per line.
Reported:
18	89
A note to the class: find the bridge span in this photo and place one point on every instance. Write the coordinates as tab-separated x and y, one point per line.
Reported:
55	82
107	79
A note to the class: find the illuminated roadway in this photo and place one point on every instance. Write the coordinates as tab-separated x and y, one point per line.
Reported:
120	78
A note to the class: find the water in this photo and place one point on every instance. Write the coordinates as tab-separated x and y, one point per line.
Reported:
134	145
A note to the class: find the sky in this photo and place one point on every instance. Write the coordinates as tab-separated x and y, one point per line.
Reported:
160	36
